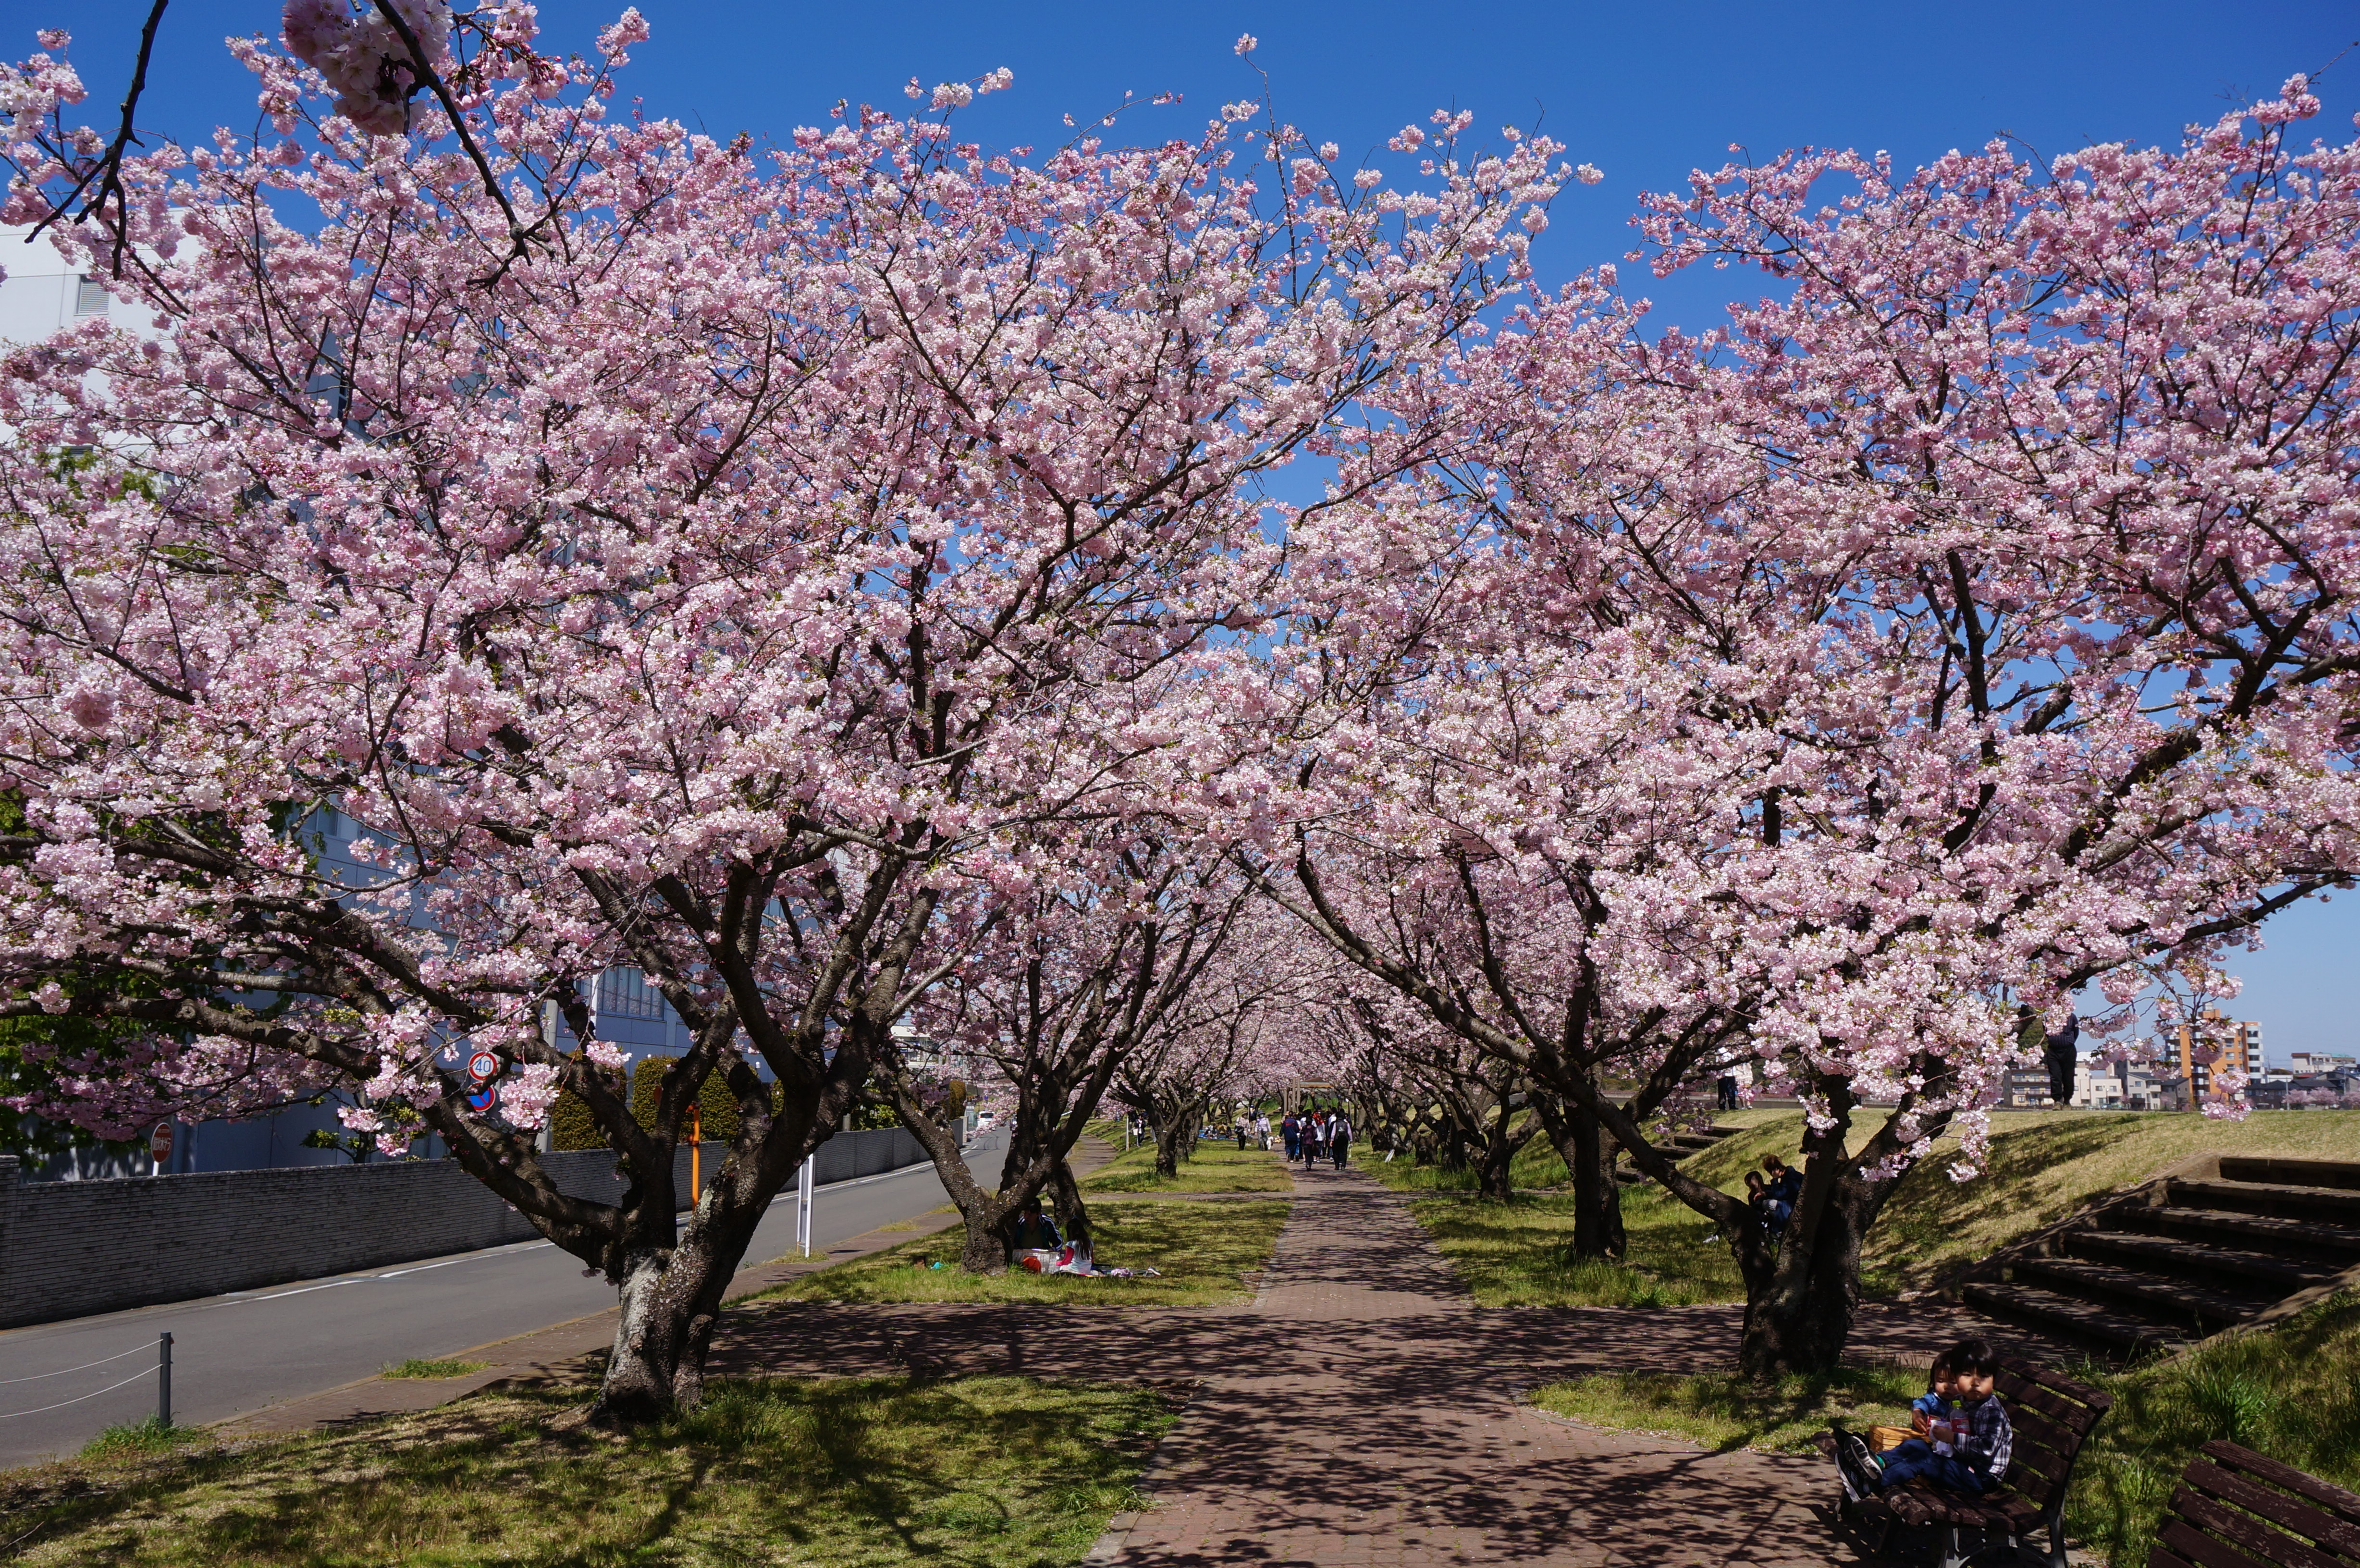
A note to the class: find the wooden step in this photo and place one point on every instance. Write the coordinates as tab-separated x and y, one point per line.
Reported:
2175	1302
2337	1246
2329	1205
2119	1332
2340	1173
2173	1256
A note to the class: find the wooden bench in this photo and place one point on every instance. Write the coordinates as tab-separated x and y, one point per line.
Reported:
2235	1509
2053	1415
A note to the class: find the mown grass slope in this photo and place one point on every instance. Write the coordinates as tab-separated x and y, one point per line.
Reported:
991	1472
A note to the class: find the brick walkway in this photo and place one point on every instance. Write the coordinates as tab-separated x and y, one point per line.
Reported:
1362	1411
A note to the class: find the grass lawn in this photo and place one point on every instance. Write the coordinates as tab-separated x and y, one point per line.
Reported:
1221	1167
2044	1165
2292	1393
994	1473
1723	1411
1204	1250
1514	1254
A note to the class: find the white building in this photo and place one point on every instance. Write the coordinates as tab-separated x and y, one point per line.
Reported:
44	293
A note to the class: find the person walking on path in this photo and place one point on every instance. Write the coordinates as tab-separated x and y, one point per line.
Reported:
1261	1129
1339	1138
1292	1132
1315	1140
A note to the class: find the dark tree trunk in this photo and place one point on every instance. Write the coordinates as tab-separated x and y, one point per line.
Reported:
1072	1215
1589	1155
1799	1315
1169	1137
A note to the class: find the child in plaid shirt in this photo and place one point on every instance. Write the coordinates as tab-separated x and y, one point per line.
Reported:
1964	1448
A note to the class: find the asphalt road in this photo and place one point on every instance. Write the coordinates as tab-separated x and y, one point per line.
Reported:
250	1349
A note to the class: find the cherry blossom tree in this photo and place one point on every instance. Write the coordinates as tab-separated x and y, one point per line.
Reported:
1234	1031
667	557
1967	621
1072	973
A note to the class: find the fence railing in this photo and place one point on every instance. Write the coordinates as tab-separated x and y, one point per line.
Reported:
163	1372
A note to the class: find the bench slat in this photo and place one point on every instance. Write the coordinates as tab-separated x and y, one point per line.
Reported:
2036	1473
2287	1513
2254	1535
2044	1434
2055	1382
2074	1418
2335	1499
2202	1551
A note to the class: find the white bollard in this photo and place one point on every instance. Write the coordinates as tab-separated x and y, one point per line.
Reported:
804	1204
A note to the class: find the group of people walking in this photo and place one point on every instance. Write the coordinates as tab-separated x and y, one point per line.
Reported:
1316	1134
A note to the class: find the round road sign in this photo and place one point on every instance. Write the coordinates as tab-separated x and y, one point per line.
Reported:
483	1065
483	1100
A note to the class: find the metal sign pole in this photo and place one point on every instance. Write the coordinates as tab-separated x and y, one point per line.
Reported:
804	1204
163	1379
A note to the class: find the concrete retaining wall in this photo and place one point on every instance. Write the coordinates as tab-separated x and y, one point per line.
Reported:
71	1249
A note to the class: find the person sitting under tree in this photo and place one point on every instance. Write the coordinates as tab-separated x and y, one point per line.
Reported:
1037	1232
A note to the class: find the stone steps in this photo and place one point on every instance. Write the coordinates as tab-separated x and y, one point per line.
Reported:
2123	1334
2201	1253
2171	1301
2331	1246
2205	1264
2284	1200
1679	1147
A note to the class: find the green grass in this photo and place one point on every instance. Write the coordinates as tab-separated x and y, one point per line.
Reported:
1535	1165
414	1368
1203	1250
1723	1411
2292	1393
149	1436
995	1473
1217	1168
2043	1166
1515	1254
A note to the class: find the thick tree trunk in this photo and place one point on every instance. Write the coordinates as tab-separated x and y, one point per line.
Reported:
1168	1140
984	1228
670	1292
1073	1215
1799	1315
1589	1155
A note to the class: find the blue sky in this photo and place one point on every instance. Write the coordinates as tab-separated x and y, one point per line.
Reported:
1646	94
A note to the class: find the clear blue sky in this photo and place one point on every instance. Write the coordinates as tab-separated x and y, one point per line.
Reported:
1644	93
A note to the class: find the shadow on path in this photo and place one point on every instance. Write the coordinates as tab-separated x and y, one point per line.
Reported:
1363	1411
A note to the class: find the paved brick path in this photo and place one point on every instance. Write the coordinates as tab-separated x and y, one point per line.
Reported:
1361	1411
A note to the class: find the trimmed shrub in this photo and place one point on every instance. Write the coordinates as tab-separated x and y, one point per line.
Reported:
571	1125
716	1107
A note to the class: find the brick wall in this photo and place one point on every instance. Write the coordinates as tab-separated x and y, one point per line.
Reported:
71	1249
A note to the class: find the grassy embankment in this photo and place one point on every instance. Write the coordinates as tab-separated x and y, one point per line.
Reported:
2292	1392
993	1473
2043	1165
1204	1251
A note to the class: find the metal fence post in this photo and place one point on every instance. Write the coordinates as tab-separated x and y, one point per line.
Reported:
163	1379
803	1205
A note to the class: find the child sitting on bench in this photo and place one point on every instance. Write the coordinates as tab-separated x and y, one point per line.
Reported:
1962	1442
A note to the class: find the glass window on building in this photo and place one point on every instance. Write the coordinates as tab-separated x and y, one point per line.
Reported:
626	994
90	297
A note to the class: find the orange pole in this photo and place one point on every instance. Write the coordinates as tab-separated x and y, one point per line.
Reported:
695	1153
